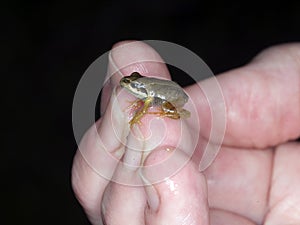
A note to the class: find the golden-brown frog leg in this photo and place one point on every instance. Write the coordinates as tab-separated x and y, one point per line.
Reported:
142	112
184	113
135	105
170	111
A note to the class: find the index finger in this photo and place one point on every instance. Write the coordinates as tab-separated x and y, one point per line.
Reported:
101	149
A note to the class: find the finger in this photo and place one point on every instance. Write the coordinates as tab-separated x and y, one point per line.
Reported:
284	197
258	185
262	99
219	217
239	180
178	199
130	207
103	146
88	187
123	202
98	154
118	202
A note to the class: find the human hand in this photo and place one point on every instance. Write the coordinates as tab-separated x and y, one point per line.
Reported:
254	179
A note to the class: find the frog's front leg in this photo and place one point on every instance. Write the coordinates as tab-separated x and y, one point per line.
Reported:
136	119
135	105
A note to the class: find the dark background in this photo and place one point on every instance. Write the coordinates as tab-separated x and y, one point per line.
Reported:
47	46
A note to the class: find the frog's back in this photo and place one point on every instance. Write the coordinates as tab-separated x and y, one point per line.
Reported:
167	90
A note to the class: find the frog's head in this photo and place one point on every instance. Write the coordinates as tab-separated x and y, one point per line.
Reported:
130	79
133	85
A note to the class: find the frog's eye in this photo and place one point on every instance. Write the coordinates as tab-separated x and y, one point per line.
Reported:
135	75
125	80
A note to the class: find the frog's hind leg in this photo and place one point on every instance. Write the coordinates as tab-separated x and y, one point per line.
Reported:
136	119
184	113
167	110
179	113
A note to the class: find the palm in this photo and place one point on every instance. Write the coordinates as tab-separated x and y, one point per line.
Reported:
256	175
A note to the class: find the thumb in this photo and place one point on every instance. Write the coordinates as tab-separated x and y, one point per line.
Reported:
179	199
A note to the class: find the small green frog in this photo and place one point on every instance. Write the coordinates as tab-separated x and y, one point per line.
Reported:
150	91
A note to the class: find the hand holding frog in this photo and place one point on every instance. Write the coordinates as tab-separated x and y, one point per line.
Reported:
255	177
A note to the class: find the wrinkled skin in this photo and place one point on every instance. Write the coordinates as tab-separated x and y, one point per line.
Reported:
255	178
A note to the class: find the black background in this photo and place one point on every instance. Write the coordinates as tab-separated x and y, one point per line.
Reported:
47	46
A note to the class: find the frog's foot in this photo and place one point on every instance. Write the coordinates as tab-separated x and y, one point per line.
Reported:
136	119
172	115
184	113
135	105
142	112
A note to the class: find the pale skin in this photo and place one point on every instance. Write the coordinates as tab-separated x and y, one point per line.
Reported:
255	178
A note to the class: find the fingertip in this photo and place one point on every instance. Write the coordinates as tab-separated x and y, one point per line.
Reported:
122	43
129	56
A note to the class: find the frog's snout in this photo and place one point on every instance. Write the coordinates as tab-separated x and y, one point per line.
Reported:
124	81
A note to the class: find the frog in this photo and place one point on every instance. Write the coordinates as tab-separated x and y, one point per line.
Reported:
150	91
